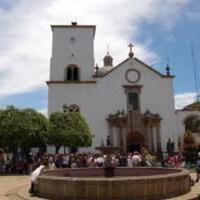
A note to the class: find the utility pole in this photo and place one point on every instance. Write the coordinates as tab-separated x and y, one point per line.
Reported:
196	74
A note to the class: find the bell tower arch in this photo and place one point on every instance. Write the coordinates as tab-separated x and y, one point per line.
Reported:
72	45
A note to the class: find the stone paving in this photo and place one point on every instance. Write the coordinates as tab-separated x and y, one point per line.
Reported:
16	188
9	185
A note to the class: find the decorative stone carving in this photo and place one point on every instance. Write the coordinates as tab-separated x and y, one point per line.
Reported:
121	124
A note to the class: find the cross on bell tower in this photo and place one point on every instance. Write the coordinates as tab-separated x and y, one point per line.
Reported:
131	54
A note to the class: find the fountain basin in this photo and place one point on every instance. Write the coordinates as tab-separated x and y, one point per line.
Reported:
138	183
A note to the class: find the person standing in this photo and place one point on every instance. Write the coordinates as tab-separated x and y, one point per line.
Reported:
129	161
30	161
136	159
35	174
51	163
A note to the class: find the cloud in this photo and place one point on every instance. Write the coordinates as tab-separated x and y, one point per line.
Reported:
25	45
43	111
184	99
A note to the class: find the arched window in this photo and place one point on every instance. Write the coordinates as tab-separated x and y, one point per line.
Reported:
72	73
74	108
69	74
75	73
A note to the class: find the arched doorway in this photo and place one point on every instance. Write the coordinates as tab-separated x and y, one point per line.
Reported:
135	140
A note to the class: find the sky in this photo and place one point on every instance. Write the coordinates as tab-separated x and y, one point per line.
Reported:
161	30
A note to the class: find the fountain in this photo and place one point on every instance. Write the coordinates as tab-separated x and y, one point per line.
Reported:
110	183
128	184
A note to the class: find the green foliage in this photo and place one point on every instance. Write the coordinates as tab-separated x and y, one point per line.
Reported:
193	124
23	128
148	157
38	129
193	106
69	129
189	148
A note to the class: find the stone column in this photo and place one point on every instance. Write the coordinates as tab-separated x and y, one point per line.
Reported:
149	136
159	148
114	136
146	137
110	131
124	138
155	138
152	141
120	136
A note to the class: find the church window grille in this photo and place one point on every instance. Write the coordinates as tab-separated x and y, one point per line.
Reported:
72	73
133	100
133	97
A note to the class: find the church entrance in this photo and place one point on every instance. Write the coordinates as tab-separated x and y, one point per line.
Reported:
134	147
135	141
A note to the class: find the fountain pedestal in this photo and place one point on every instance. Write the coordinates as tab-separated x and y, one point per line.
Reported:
109	171
109	168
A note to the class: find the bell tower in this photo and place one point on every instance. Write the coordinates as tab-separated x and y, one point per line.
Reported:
108	60
72	52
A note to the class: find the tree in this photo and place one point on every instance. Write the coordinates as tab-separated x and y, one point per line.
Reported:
68	129
38	130
195	106
24	128
189	147
192	124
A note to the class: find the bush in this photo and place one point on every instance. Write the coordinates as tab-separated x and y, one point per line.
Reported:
190	148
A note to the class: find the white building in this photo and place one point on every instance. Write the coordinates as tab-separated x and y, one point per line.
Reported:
131	103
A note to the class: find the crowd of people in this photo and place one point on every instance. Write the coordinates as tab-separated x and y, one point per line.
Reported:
26	163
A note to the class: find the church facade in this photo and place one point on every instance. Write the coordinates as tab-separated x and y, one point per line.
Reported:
130	104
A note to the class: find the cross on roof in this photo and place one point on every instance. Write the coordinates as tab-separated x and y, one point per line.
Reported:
131	52
131	46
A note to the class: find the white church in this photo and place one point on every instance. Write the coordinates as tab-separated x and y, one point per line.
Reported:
131	104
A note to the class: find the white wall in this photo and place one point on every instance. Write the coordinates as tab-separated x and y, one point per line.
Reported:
156	95
105	97
63	48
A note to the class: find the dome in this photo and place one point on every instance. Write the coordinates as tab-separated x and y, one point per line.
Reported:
108	60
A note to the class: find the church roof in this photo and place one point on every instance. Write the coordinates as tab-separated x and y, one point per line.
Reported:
74	25
109	70
103	72
108	56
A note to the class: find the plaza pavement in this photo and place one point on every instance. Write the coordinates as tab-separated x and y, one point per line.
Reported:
16	188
